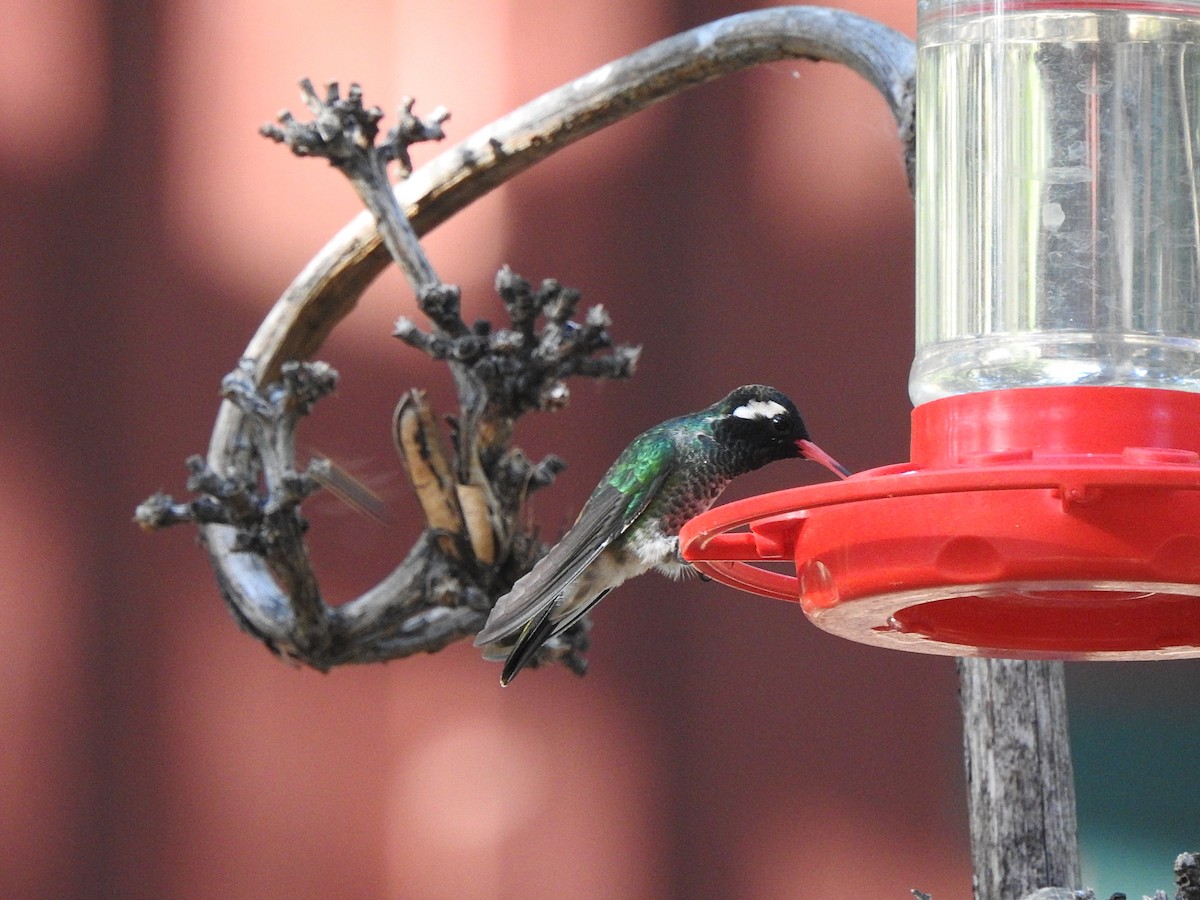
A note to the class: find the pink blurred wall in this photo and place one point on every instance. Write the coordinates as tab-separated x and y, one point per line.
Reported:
758	229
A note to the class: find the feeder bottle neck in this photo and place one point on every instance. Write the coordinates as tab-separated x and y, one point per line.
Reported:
1058	234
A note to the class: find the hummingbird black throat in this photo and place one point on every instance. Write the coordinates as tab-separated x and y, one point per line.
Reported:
630	524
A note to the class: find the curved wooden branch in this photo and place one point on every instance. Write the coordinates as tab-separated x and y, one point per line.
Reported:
329	286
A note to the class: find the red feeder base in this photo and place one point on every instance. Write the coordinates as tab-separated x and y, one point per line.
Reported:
1031	523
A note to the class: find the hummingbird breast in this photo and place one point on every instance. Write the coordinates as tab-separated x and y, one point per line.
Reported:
686	493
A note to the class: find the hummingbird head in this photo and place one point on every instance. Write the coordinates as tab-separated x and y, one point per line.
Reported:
762	423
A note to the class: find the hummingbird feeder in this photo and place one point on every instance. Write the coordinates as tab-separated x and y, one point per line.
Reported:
1051	507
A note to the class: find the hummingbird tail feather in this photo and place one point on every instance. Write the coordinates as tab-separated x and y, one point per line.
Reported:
535	633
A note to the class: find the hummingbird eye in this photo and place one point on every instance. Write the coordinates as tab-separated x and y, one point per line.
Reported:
780	424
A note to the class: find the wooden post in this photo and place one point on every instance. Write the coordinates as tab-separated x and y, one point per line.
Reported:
1020	783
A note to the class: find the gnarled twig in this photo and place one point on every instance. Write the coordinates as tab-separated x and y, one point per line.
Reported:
435	596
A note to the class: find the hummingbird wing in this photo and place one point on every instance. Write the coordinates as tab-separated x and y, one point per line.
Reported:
622	496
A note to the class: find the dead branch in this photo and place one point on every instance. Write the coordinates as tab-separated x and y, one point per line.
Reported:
473	546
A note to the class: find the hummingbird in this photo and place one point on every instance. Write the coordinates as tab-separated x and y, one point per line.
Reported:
630	524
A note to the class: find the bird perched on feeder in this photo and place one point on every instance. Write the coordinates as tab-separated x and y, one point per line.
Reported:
630	524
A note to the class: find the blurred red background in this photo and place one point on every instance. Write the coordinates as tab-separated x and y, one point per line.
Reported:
757	229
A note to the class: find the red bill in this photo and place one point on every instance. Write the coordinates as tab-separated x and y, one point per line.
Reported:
809	450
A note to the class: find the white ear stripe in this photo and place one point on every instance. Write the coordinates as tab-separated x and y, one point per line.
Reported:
759	409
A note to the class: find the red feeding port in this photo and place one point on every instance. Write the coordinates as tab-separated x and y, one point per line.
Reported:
1056	522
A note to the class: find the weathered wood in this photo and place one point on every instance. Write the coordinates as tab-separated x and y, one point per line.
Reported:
329	286
1020	782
